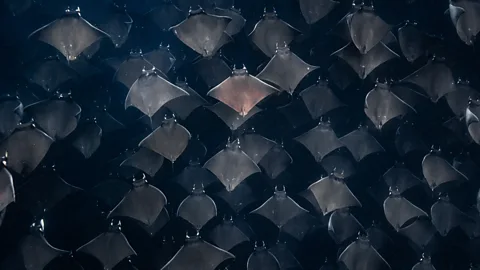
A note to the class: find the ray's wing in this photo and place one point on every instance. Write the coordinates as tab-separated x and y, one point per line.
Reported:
227	235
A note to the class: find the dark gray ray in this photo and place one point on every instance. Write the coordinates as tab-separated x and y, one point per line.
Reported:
437	171
129	69
88	140
236	24
361	255
203	33
35	250
7	190
361	144
145	160
398	210
400	178
407	140
50	74
446	217
143	202
194	175
315	10
339	164
320	141
170	139
276	161
26	148
458	100
198	208
279	208
435	79
255	146
237	199
465	17
412	41
166	15
425	263
331	193
117	25
212	70
382	105
285	69
40	195
183	106
241	91
11	113
472	115
70	34
342	225
197	254
57	118
227	235
285	257
262	259
364	64
161	58
320	99
150	92
421	232
230	117
231	165
109	248
367	29
271	31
